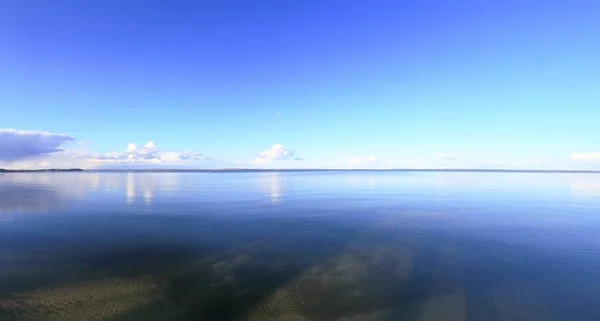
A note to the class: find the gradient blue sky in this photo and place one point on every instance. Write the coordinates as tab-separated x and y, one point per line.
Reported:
395	82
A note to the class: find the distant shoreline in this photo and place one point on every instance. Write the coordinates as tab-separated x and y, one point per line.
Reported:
250	170
2	170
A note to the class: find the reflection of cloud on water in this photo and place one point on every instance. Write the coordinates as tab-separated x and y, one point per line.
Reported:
143	186
29	198
94	180
272	184
148	196
405	276
68	185
146	185
130	188
39	192
587	184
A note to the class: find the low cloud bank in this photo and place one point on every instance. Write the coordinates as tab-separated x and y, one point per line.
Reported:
16	145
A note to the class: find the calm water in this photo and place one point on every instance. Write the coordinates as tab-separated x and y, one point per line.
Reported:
300	246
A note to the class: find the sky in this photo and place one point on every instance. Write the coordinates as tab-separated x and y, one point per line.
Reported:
300	84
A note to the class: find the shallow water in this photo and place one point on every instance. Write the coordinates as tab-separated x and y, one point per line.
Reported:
300	246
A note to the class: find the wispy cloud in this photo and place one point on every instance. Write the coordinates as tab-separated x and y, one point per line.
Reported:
190	156
585	157
21	144
448	157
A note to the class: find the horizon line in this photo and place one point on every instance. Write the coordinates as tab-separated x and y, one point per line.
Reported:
298	170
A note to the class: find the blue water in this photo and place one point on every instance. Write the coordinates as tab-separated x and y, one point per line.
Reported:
300	246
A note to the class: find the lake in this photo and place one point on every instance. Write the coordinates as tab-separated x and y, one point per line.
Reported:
326	246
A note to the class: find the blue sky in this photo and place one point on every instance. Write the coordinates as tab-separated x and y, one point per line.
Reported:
337	83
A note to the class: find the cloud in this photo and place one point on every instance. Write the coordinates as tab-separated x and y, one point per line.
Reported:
448	157
21	144
149	153
133	153
190	155
585	157
277	152
31	150
585	184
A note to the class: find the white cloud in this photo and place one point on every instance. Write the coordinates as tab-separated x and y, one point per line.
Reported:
18	145
83	143
133	154
149	153
585	157
277	152
169	157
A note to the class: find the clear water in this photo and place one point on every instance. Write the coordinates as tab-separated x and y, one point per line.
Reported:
300	246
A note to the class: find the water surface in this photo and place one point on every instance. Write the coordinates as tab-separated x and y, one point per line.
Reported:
300	246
